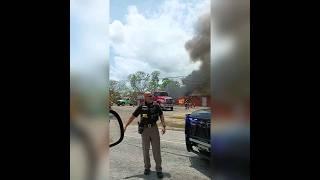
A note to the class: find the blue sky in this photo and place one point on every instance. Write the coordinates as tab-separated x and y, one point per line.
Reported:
150	35
118	8
132	35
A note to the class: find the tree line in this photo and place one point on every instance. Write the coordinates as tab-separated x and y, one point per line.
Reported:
139	82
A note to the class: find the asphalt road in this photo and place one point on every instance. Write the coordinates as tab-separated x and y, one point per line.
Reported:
126	160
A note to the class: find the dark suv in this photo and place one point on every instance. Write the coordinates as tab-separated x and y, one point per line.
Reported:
197	131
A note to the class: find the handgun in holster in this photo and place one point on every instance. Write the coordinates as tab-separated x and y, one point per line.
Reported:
140	127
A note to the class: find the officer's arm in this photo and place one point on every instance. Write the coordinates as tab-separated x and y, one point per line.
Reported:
129	121
133	116
161	117
162	121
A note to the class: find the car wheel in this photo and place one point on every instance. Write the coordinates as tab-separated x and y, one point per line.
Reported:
205	153
188	145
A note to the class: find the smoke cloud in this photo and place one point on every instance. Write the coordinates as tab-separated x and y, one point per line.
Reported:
199	50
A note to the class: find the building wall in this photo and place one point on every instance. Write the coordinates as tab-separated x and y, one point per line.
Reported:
196	100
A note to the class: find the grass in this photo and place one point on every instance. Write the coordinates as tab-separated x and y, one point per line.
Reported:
175	122
177	116
174	125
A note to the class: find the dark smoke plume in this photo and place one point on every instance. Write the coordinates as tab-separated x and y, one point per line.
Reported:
199	50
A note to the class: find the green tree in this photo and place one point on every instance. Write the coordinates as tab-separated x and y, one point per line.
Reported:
114	91
139	81
154	82
165	82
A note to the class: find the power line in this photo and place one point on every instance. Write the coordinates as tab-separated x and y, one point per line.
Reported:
173	77
199	81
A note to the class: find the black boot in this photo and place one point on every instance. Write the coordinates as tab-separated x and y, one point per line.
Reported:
160	174
146	171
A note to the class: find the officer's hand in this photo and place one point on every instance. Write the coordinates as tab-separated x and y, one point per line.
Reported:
163	130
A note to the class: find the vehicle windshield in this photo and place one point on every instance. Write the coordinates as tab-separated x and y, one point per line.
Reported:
203	114
160	94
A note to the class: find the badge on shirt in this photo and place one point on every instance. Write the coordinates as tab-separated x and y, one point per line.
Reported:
145	115
144	108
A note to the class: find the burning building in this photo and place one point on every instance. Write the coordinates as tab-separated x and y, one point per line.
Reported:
196	100
197	84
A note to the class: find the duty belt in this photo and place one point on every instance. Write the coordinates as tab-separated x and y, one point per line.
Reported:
150	125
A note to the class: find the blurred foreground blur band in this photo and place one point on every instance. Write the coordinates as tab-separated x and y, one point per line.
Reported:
88	89
88	139
230	81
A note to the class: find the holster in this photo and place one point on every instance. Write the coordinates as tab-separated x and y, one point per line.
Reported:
140	128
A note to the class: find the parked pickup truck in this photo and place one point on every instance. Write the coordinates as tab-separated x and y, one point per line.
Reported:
125	101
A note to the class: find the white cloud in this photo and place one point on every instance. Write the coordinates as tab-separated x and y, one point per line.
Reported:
116	32
150	41
126	65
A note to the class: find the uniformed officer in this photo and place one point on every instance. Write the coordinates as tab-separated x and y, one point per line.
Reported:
149	114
